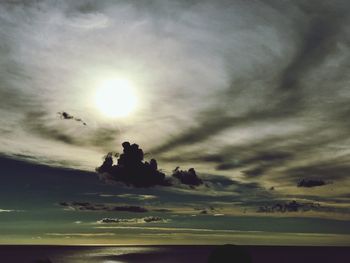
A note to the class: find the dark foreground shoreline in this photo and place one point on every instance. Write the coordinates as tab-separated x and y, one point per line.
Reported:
169	254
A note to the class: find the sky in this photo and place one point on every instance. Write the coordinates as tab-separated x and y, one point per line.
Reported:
254	95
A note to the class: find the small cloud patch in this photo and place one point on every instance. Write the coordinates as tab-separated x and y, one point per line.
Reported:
66	116
292	206
143	220
86	206
310	183
6	210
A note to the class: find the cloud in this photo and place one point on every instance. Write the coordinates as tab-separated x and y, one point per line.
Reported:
292	206
66	116
80	234
7	210
131	170
37	123
187	177
148	219
45	126
322	206
138	196
316	30
190	178
87	206
310	183
318	41
268	104
254	172
212	122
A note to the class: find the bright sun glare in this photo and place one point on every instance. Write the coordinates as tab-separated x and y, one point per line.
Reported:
116	98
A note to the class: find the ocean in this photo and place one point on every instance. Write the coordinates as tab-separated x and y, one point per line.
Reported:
169	254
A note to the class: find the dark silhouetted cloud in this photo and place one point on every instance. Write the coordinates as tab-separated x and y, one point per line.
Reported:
187	177
148	219
310	183
292	206
87	206
131	170
66	116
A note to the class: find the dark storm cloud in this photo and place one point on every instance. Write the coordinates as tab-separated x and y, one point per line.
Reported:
133	171
87	206
44	125
187	177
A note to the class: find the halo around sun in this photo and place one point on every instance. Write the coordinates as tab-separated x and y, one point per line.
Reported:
115	98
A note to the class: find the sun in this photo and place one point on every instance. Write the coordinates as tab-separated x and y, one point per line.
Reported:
115	97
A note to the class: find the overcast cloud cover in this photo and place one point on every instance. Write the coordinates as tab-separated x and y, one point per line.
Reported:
256	92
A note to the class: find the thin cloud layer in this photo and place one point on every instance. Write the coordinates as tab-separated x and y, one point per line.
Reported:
6	210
